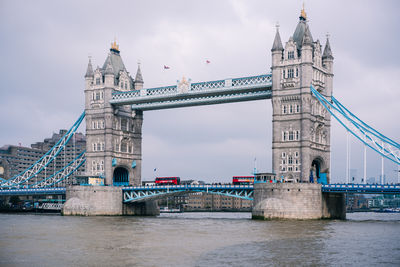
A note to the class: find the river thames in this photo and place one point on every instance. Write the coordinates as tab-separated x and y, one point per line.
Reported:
198	239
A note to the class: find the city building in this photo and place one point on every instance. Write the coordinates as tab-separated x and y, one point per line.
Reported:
16	159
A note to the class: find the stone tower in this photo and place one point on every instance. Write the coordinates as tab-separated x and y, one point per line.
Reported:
301	125
113	134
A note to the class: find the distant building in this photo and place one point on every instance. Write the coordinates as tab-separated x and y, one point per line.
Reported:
75	146
201	201
16	159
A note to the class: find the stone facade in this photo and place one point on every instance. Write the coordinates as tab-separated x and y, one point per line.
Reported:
103	200
296	201
301	125
113	134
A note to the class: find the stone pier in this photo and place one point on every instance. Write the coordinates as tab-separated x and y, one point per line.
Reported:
103	201
296	201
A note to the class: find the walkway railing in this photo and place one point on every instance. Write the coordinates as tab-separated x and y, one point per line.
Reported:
186	91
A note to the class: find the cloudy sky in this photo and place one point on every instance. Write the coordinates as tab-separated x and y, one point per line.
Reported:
45	45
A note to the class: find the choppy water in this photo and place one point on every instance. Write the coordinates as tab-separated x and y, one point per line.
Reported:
198	239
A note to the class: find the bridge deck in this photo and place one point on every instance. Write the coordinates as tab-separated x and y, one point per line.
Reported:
195	94
134	193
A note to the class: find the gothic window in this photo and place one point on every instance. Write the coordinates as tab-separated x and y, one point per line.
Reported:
296	169
123	147
93	124
98	147
290	73
290	159
297	135
284	161
297	108
291	136
98	166
283	168
124	125
284	109
93	165
291	55
129	149
296	161
101	95
297	72
284	74
283	154
102	165
290	108
126	85
94	147
296	154
97	96
97	81
102	146
284	136
102	124
290	168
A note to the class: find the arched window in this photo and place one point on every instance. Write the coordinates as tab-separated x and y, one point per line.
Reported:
284	109
124	125
124	147
290	135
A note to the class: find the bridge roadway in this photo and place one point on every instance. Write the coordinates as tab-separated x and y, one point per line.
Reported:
186	94
143	193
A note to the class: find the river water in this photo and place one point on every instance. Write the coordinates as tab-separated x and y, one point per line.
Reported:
198	239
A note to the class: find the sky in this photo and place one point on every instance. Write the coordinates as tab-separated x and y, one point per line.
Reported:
45	46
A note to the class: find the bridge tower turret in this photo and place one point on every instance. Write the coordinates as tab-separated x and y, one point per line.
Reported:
301	126
113	134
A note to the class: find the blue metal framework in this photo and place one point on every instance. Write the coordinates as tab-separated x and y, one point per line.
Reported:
363	132
31	172
62	174
194	94
144	193
362	188
33	191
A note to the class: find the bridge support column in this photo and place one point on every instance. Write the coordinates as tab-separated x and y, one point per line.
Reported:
296	201
148	208
103	201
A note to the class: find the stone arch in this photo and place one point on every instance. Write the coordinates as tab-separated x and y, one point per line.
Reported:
120	176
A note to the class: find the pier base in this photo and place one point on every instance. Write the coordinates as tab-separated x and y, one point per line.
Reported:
103	201
296	201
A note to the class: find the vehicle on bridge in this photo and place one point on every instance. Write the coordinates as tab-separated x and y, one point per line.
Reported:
167	181
242	180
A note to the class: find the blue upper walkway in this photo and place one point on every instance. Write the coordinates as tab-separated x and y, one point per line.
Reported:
186	94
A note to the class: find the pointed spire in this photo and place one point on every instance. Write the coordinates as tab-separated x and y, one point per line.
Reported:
139	77
303	15
109	68
277	46
89	71
327	51
307	39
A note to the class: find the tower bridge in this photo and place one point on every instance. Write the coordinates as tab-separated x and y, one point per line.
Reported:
300	87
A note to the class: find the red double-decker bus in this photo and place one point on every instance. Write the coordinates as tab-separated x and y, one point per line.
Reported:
242	180
167	181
